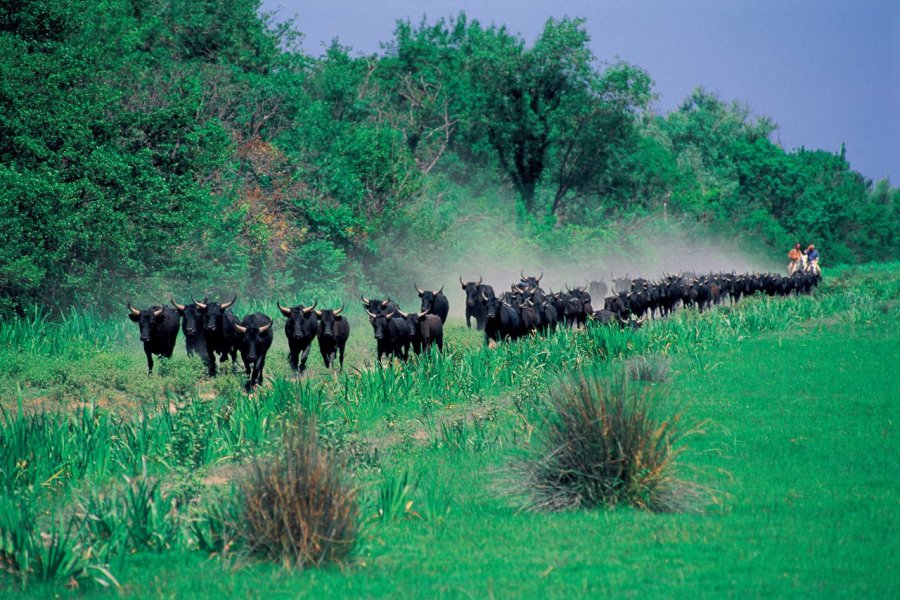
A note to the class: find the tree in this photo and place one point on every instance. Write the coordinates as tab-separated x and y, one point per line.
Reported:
593	133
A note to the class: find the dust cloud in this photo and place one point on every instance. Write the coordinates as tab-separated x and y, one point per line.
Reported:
494	250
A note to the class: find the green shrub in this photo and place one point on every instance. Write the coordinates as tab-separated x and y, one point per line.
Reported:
181	374
602	445
435	499
395	496
192	432
151	515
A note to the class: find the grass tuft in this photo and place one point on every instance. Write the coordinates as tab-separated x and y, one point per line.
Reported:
295	508
603	445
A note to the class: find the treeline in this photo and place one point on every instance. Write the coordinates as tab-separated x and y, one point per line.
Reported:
158	144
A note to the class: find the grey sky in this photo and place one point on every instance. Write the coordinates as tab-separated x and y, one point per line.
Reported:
826	71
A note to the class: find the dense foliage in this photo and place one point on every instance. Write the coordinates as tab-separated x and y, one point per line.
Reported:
146	146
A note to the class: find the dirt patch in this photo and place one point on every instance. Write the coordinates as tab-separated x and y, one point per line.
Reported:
223	475
824	323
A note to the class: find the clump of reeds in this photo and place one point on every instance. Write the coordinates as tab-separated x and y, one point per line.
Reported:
295	508
603	445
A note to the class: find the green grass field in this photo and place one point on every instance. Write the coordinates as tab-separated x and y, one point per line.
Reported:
797	400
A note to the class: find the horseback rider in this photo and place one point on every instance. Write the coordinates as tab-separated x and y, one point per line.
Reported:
794	256
812	258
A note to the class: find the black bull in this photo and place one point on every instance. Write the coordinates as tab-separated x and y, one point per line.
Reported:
392	335
159	330
474	305
501	321
193	325
301	328
334	330
435	303
221	335
254	340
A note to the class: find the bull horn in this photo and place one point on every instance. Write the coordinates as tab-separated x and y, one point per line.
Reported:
641	321
522	275
199	304
285	311
335	312
541	276
264	328
420	315
364	299
391	316
461	282
133	310
440	291
318	313
418	289
306	311
483	297
386	302
175	304
507	303
373	315
479	280
156	313
240	329
402	314
228	304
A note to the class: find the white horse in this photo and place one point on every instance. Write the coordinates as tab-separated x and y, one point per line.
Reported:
813	267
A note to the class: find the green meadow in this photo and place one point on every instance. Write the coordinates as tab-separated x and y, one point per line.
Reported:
791	404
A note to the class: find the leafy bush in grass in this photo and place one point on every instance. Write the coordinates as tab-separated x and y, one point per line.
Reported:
603	445
295	508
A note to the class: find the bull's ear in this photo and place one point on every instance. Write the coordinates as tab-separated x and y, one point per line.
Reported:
134	317
338	317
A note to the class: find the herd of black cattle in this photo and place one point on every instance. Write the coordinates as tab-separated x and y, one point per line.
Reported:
210	328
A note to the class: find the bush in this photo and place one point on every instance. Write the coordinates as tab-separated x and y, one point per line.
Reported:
295	508
602	446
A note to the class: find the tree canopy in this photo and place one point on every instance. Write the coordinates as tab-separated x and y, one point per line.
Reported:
169	143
